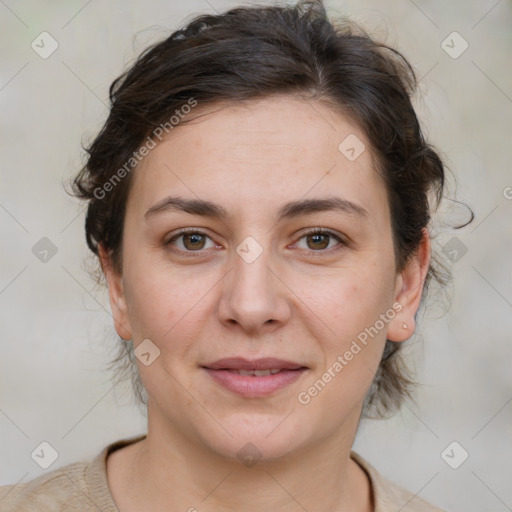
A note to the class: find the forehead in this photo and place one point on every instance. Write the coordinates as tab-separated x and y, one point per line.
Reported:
273	149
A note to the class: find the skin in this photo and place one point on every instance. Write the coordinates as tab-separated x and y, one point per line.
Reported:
251	159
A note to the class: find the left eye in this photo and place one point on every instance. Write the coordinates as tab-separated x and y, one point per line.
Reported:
319	240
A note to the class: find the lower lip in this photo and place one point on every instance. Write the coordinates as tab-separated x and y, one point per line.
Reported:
253	386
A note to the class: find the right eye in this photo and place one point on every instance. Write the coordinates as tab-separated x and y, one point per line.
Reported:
190	241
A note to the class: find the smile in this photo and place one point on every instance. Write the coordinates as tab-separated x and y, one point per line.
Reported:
256	378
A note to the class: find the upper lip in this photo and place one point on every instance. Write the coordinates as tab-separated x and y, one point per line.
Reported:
265	363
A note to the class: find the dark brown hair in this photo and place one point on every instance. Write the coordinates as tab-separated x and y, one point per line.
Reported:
255	52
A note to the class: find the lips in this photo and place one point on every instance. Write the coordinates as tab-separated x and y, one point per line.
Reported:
266	363
256	373
254	378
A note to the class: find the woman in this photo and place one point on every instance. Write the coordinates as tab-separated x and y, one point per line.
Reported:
258	200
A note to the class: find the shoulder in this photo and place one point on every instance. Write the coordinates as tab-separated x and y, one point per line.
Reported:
63	487
389	496
80	486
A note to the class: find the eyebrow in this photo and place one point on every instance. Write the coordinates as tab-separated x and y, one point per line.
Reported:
288	210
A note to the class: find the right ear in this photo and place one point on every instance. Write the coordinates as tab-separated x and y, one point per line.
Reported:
116	294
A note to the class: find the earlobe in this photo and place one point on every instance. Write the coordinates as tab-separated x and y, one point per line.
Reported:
409	290
116	294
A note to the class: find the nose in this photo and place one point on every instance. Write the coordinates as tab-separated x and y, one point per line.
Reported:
253	296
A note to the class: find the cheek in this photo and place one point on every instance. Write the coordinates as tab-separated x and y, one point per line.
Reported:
173	308
159	301
347	304
350	334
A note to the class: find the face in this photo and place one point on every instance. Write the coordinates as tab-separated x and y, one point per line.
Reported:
288	255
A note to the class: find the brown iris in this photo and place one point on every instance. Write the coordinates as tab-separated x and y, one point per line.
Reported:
318	238
197	241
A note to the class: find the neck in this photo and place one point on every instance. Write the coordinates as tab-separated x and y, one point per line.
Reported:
176	472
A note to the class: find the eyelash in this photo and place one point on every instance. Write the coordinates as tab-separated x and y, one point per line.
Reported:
313	231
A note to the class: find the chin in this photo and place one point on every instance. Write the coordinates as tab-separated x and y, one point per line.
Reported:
257	437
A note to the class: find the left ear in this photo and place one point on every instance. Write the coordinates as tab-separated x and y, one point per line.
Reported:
408	291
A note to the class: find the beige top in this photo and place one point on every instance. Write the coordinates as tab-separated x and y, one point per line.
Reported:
82	486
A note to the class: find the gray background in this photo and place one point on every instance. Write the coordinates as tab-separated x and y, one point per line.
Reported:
57	333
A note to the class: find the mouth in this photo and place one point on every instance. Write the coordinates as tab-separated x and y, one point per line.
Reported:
256	373
254	378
